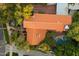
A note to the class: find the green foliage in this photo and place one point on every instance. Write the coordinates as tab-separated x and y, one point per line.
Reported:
3	16
69	48
76	16
74	28
44	48
18	14
49	39
27	11
13	54
15	12
6	36
19	41
14	36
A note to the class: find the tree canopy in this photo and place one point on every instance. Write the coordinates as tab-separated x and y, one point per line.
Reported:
74	28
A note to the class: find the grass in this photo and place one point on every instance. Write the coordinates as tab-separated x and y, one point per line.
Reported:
6	34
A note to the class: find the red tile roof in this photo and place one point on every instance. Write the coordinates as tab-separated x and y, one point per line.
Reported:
48	22
38	25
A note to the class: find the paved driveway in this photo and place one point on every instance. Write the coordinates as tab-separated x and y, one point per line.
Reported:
2	45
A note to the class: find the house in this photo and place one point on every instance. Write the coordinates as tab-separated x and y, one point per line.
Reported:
66	8
47	9
62	9
39	24
73	7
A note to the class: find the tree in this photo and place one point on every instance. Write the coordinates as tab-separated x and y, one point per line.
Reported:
74	28
22	12
16	12
27	11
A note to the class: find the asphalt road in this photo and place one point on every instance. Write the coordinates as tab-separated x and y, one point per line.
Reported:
2	45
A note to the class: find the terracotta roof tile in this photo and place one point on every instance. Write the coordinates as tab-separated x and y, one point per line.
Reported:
48	21
38	25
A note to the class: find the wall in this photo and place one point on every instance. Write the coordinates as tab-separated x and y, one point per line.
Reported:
48	9
74	7
62	9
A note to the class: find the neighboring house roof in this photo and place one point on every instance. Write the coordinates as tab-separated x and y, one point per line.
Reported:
46	9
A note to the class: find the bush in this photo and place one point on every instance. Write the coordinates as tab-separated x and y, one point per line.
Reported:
74	28
68	48
13	54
